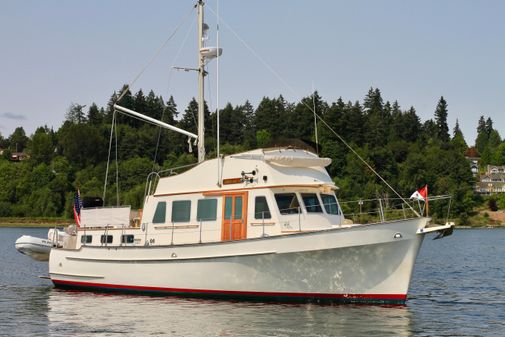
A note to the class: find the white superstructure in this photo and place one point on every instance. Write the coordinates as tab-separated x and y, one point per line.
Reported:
272	229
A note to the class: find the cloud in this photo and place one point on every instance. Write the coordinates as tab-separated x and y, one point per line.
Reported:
10	115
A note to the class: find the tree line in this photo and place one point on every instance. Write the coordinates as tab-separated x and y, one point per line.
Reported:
404	150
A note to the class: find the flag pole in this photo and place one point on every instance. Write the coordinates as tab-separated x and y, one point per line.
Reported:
427	203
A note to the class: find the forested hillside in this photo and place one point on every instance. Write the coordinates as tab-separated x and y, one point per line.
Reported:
406	151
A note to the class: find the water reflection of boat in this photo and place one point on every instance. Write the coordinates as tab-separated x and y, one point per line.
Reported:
264	224
75	313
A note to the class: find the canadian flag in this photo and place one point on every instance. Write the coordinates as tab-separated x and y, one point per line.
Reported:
421	194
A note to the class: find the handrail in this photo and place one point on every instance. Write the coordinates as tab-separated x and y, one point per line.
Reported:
172	169
360	213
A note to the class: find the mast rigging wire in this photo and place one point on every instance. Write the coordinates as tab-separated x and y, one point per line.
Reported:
108	157
156	54
169	82
310	108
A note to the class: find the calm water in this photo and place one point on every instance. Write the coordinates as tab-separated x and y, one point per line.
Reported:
458	290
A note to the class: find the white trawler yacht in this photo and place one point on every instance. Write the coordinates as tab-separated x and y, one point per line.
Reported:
263	224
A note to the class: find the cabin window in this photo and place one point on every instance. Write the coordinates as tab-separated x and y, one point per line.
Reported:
238	208
228	207
127	238
330	204
181	210
287	203
311	203
160	213
261	210
206	210
106	239
86	239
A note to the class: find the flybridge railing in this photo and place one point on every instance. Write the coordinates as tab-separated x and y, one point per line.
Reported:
154	177
378	210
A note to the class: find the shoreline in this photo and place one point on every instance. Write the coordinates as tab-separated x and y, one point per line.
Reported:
34	222
25	225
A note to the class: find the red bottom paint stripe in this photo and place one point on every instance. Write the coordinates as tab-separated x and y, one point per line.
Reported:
370	297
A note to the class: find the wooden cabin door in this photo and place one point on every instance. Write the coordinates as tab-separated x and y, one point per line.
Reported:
234	225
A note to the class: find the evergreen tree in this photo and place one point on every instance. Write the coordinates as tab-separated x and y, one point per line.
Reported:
170	112
377	121
482	135
430	129
458	139
302	117
441	120
232	121
499	155
271	115
41	145
95	115
411	128
81	144
154	106
18	140
481	126
249	125
457	130
489	125
75	114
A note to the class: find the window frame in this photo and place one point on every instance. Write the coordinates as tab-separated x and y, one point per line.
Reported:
84	239
238	211
318	207
228	211
123	241
283	211
262	214
339	212
187	217
104	238
163	211
214	209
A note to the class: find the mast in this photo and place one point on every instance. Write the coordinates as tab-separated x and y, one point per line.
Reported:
201	78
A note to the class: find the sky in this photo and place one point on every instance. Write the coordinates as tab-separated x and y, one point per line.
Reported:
55	53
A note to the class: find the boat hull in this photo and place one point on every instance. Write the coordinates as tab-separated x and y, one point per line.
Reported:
36	248
366	263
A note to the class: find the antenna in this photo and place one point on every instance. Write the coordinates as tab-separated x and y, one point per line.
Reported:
217	98
315	116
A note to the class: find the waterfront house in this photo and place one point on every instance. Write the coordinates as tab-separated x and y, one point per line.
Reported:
493	181
473	157
18	156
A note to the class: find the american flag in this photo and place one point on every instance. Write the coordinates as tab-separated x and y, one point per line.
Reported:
77	208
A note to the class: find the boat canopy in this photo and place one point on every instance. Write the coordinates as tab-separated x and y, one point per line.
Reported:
290	158
105	216
296	161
